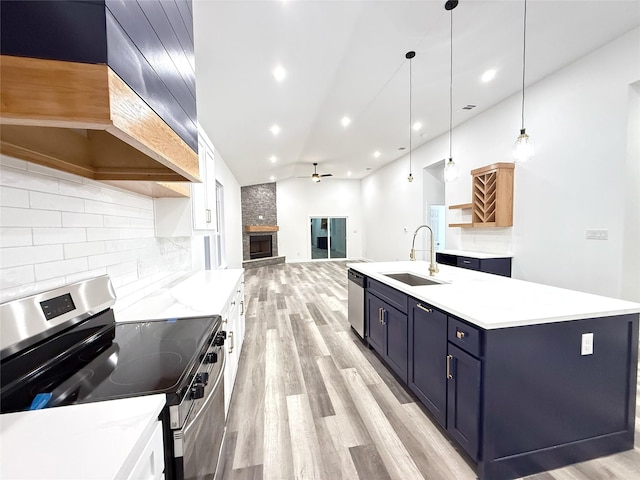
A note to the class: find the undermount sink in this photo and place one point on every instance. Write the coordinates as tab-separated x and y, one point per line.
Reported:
411	279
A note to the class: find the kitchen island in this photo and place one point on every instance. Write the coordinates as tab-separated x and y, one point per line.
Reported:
525	377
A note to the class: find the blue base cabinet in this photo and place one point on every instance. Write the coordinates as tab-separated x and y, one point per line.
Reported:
427	353
518	400
387	325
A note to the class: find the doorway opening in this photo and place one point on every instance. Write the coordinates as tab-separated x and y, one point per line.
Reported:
328	237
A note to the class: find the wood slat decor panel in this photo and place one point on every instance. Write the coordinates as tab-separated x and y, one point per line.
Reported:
375	430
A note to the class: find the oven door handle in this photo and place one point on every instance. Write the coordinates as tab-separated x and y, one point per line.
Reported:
203	408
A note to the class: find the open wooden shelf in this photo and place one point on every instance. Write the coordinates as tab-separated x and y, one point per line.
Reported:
461	206
491	197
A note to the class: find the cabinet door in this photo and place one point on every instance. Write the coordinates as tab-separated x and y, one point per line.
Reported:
463	399
427	376
376	331
203	194
396	355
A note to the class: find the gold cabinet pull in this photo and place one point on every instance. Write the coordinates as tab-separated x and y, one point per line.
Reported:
384	321
231	339
460	334
422	307
380	315
449	358
241	307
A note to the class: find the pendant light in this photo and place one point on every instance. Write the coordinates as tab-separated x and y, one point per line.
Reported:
523	147
409	56
450	168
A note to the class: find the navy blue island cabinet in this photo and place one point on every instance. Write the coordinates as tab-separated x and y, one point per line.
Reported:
386	321
518	400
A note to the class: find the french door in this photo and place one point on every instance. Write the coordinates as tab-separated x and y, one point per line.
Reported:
328	237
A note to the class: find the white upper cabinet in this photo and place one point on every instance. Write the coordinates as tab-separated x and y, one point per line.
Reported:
182	217
203	194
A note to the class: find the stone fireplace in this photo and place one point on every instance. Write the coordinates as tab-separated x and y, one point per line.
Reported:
260	225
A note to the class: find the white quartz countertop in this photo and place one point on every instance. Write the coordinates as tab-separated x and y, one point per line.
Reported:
84	442
470	254
201	293
492	301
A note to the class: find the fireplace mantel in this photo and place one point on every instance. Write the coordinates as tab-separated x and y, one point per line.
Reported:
260	228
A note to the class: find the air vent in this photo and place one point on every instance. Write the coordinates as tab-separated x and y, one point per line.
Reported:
469	107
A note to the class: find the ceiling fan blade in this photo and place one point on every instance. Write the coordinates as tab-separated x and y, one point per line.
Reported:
327	175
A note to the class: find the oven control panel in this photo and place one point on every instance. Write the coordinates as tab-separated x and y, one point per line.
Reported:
54	307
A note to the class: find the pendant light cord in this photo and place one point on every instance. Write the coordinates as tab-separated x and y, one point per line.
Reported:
524	54
410	114
450	81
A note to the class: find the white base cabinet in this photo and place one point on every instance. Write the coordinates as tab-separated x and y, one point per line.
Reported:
233	322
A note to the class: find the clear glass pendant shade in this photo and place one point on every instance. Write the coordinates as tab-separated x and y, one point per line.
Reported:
523	148
450	171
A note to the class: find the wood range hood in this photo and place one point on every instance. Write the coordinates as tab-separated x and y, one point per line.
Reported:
84	119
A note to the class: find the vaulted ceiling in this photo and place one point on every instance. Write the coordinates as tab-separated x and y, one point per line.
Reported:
347	58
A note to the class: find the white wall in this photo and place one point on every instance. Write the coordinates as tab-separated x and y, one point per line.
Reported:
578	118
57	228
300	199
232	213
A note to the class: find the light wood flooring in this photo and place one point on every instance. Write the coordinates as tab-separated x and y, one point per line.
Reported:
312	402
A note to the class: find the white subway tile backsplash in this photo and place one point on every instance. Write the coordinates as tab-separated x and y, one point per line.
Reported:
16	276
30	288
57	228
104	260
93	191
26	217
12	177
14	197
51	236
49	201
12	162
77	277
61	268
105	208
16	256
123	222
81	220
58	174
74	250
15	237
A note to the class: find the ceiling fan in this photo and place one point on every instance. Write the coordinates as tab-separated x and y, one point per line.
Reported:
315	176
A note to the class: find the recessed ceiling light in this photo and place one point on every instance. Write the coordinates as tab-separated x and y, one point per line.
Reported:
279	73
349	173
376	154
275	129
488	75
272	178
273	159
345	121
417	126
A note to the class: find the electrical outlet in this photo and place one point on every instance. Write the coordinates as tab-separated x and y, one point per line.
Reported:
597	234
586	347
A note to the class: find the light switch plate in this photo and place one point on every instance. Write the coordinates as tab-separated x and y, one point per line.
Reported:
587	344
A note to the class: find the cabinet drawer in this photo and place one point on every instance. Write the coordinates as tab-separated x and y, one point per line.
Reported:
468	262
388	294
465	336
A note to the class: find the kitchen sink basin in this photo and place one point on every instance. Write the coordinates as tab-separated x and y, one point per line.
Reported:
411	279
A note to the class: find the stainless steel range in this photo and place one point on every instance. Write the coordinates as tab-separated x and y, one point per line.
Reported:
63	347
